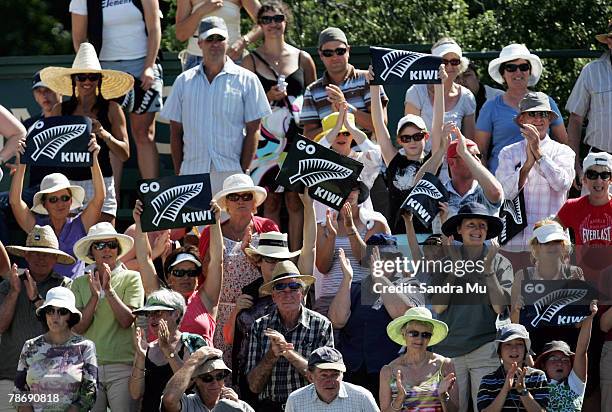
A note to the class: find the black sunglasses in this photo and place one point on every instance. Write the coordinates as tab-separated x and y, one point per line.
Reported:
208	378
346	134
340	51
543	115
279	18
60	311
179	273
407	138
214	37
593	175
511	67
55	199
92	77
452	62
416	333
111	244
234	197
290	285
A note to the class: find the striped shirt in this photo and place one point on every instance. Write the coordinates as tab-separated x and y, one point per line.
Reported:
546	186
492	384
592	97
213	115
351	398
312	331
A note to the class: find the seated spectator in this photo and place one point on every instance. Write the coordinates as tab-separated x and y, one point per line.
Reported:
327	390
58	359
282	340
106	298
418	379
21	295
206	369
482	92
514	385
567	371
156	362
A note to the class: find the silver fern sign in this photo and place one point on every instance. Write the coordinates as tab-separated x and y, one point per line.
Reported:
403	66
424	199
175	201
328	175
514	217
59	141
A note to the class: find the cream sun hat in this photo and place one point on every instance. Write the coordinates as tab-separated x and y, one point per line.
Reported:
114	83
54	183
513	52
239	183
101	231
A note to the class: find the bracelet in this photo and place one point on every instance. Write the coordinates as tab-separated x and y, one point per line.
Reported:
136	367
36	299
445	397
399	408
111	293
353	233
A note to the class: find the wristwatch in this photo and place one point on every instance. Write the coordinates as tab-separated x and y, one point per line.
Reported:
524	392
36	299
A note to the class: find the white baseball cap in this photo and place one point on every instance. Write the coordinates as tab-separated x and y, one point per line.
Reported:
597	159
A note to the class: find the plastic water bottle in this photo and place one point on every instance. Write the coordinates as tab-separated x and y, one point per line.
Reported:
282	84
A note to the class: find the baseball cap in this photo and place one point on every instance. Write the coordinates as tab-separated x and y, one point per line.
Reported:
412	119
326	358
597	159
37	81
212	25
452	147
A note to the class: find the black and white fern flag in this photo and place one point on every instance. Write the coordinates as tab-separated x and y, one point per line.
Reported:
513	216
60	141
403	66
555	303
328	175
423	200
175	201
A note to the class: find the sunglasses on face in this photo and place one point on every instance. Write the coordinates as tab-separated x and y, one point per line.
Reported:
111	244
511	67
208	378
345	134
234	197
269	259
340	51
293	286
155	313
279	18
92	77
407	138
559	359
452	62
214	37
55	199
542	115
593	175
416	333
60	311
179	273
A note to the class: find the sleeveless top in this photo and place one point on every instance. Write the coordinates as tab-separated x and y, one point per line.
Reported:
230	13
423	397
295	81
84	173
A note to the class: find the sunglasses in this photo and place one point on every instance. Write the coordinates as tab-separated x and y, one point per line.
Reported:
214	37
452	62
511	67
208	378
593	175
55	199
155	313
234	197
345	134
542	115
340	51
92	77
558	359
179	273
416	333
60	311
279	18
291	285
407	138
269	259
111	244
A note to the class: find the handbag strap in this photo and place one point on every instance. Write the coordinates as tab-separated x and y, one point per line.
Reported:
274	72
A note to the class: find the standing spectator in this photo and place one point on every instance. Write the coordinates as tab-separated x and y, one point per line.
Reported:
209	108
482	92
282	340
126	35
518	69
58	359
537	166
106	298
327	390
591	98
44	97
21	295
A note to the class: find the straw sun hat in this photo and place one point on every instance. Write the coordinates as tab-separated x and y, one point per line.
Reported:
114	83
42	239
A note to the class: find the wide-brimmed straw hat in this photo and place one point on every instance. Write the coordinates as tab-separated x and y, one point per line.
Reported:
114	83
472	210
394	328
54	183
42	239
239	183
285	270
512	52
272	244
101	231
60	297
604	36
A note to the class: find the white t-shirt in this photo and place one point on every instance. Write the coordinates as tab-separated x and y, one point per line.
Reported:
123	29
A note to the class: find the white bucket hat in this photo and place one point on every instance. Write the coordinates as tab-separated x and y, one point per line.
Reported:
42	239
114	83
54	183
272	244
60	297
512	52
100	231
239	183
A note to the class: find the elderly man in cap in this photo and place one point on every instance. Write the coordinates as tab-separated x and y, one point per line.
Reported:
591	98
210	106
21	295
281	341
328	392
206	368
537	168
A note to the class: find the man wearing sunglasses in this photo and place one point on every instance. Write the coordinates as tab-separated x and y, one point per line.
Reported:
206	369
340	83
